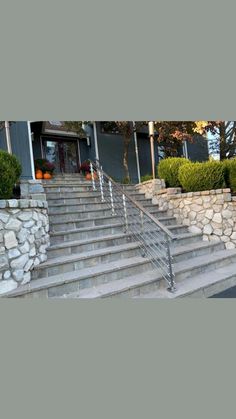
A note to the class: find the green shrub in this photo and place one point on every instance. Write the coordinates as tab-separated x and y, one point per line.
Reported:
230	173
10	171
168	169
195	177
146	177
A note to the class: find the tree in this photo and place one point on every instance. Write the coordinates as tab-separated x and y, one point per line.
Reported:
126	129
172	134
224	141
76	126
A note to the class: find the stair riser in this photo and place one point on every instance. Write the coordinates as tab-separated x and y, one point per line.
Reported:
74	286
87	217
90	211
86	234
205	268
179	229
71	225
186	240
101	244
198	252
72	198
74	204
86	263
54	190
98	280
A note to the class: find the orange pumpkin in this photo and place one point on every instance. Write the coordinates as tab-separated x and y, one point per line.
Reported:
47	175
39	174
88	176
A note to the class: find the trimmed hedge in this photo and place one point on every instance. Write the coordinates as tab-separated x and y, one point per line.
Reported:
168	169
146	178
230	173
10	171
194	177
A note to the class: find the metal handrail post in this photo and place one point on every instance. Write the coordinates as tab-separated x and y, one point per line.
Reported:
111	198
92	175
101	185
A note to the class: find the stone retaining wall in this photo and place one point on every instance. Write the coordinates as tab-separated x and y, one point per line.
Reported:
212	213
24	239
151	187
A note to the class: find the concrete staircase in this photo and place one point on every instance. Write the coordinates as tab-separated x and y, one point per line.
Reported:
90	256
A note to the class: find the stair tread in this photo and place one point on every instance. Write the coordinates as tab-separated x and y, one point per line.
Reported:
82	229
55	280
85	255
193	246
112	287
129	282
202	281
104	217
86	241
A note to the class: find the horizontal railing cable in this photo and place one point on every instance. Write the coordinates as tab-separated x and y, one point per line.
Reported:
153	237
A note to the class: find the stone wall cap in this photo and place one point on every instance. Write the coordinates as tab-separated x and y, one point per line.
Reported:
22	203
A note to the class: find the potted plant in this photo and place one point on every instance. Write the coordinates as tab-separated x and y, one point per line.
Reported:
43	169
86	170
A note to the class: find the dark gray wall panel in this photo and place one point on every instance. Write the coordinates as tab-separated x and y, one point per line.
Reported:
20	146
3	144
198	150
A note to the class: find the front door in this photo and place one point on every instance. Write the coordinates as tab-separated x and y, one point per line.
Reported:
62	153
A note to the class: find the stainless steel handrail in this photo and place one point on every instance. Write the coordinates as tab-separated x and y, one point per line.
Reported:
153	236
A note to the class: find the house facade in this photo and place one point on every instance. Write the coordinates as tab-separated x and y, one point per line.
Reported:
30	140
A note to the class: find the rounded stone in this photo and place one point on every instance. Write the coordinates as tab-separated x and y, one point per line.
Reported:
20	262
13	224
25	248
10	240
3	262
7	275
29	224
209	214
207	229
217	218
26	278
23	235
18	275
226	214
230	245
25	215
28	265
13	253
233	236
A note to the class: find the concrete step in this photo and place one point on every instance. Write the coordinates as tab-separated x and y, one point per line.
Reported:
151	285
195	249
58	285
185	239
85	233
66	263
84	197
76	222
204	285
79	261
74	216
79	246
89	217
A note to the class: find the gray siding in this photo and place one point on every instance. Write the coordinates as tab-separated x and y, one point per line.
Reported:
198	149
111	149
20	146
144	151
3	144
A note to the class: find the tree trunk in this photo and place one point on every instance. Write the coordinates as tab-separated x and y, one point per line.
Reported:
125	158
223	144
